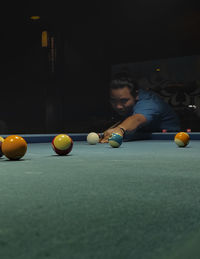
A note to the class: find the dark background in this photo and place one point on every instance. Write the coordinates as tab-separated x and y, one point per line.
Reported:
90	37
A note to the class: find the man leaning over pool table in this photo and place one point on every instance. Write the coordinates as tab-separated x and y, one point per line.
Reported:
139	110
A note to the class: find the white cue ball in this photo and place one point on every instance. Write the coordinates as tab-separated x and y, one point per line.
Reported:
92	138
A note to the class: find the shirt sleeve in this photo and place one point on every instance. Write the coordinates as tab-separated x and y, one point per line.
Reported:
148	108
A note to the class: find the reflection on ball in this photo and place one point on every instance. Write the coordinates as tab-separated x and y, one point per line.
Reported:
182	139
92	138
62	144
1	141
115	140
14	147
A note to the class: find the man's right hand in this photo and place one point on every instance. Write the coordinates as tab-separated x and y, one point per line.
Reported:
108	133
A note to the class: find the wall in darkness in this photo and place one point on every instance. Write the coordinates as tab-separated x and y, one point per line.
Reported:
70	98
23	79
86	73
89	37
146	30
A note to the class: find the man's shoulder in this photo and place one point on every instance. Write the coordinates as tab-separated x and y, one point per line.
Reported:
149	98
145	94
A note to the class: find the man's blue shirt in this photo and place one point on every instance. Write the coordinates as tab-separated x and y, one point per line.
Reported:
158	113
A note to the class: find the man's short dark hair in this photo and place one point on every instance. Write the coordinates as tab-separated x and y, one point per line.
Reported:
123	79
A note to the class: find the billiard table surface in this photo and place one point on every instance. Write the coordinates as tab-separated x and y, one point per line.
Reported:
141	200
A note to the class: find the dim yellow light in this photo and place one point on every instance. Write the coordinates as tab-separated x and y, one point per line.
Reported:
158	69
35	17
44	39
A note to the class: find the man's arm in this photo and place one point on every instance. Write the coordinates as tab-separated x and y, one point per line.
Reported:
133	122
129	124
114	125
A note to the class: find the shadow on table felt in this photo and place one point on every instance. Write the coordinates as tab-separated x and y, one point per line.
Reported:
3	159
61	155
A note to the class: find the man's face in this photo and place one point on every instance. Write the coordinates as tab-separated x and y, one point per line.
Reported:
122	101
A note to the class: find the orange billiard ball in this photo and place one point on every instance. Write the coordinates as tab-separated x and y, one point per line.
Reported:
14	147
182	139
62	144
1	141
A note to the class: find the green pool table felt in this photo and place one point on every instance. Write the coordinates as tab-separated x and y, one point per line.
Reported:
141	201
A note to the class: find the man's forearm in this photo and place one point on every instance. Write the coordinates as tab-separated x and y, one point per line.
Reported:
132	122
115	125
129	124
